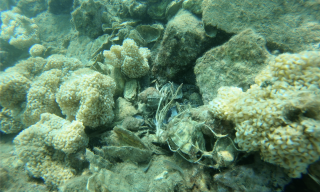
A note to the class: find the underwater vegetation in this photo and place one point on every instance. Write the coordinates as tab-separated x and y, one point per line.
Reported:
150	95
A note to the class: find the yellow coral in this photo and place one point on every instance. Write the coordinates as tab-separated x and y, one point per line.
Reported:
30	68
8	124
41	97
34	66
29	87
44	147
13	89
278	116
132	60
37	50
87	97
19	30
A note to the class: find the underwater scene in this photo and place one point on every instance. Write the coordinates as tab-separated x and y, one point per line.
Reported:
160	96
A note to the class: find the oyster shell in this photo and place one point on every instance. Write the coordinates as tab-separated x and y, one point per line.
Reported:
150	33
188	138
131	89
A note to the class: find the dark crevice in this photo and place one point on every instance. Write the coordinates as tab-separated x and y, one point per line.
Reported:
273	47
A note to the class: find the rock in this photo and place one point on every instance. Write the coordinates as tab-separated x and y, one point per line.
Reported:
56	36
193	5
288	26
123	109
195	99
8	124
75	184
60	6
262	177
88	18
157	10
137	9
150	96
132	123
32	8
182	43
4	178
235	63
107	180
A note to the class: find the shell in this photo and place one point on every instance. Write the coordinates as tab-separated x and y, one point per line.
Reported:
131	89
190	139
187	139
150	33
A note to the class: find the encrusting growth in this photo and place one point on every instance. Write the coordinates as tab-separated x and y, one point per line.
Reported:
278	116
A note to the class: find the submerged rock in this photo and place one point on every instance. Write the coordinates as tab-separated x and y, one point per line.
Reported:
157	10
88	18
123	108
288	26
32	8
123	145
235	63
132	123
183	41
193	5
253	177
60	6
107	180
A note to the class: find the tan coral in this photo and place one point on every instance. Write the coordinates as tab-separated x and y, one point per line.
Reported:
66	64
29	87
114	55
87	97
13	89
8	124
41	97
45	146
279	118
30	68
132	60
19	30
37	50
34	66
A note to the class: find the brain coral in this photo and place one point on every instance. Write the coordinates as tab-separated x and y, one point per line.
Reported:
280	115
87	96
132	60
45	147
